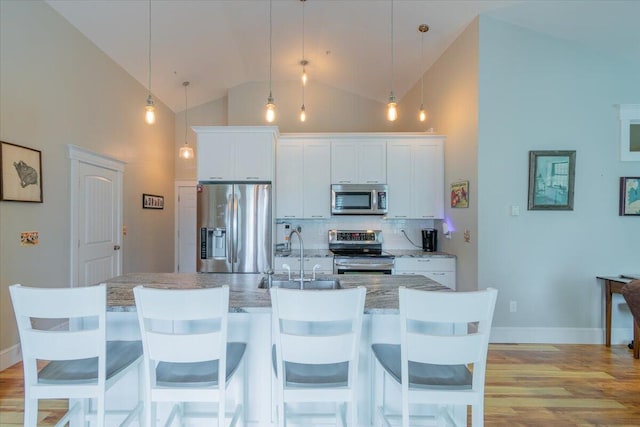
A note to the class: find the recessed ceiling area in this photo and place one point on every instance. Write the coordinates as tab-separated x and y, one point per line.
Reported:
219	44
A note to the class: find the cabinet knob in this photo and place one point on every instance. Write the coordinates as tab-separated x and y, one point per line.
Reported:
116	247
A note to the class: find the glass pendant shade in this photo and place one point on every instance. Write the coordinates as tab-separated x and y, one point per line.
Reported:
150	111
271	110
422	115
392	109
304	77
303	114
186	152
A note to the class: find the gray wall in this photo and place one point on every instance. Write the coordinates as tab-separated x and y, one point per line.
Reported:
541	93
56	88
451	100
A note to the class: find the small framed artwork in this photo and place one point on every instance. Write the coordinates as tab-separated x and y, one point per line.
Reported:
460	194
630	132
551	180
151	201
20	173
630	195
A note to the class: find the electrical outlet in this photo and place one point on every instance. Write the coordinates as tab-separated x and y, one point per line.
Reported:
513	306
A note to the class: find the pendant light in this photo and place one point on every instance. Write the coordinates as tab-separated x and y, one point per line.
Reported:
422	114
150	111
392	106
186	152
304	62
270	107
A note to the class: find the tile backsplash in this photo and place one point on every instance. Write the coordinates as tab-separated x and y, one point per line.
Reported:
314	232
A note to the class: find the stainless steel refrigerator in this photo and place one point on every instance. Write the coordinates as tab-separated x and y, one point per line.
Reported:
234	227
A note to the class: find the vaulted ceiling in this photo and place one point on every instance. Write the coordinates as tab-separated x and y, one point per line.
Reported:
219	44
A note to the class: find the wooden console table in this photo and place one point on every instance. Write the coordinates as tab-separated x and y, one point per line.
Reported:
613	285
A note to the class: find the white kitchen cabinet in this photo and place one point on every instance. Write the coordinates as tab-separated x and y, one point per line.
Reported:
303	178
440	269
235	153
316	202
326	265
415	176
359	161
289	179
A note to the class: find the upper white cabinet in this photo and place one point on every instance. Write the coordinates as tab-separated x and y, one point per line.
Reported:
415	176
359	161
235	153
303	178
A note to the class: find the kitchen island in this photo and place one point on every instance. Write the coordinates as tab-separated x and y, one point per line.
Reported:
250	322
244	293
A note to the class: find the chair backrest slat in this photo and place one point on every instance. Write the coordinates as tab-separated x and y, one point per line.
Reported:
183	325
84	309
172	347
452	350
317	349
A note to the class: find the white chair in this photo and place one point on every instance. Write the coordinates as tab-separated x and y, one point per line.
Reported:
184	335
441	335
316	351
81	363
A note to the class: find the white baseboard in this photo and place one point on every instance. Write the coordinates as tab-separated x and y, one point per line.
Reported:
559	335
10	356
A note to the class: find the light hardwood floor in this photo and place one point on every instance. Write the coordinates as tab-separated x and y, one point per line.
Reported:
527	385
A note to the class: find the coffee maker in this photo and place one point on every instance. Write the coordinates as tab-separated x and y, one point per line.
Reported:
429	239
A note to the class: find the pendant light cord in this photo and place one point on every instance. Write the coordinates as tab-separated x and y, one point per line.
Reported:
392	62
186	109
422	70
149	47
303	59
270	47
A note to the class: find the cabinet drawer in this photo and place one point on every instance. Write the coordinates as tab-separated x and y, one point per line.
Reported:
425	264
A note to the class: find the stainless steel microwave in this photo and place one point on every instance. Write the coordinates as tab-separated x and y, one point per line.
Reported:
359	199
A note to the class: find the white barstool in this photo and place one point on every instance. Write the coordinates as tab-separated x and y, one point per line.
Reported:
442	356
82	364
316	349
184	334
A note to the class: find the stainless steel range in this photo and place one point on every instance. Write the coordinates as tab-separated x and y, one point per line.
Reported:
359	252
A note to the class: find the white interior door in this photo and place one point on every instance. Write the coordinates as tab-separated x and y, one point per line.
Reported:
186	233
96	217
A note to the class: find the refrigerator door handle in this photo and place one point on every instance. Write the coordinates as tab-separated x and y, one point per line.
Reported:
229	225
235	230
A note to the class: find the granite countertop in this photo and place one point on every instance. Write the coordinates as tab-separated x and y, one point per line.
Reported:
416	253
310	253
398	253
244	294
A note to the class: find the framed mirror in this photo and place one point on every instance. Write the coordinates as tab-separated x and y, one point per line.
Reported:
630	132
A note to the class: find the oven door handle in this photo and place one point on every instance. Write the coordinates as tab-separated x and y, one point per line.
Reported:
372	265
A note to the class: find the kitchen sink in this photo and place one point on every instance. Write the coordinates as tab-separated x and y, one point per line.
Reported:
308	284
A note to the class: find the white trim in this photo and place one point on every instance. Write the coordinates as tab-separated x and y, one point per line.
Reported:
558	335
10	356
76	155
176	225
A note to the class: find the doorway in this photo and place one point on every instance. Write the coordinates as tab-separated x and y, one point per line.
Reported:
96	216
185	234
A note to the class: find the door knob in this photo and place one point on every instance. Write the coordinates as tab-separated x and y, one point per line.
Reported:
116	247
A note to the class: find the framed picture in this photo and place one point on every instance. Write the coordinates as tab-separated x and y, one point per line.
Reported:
630	195
460	194
151	201
551	180
20	173
630	132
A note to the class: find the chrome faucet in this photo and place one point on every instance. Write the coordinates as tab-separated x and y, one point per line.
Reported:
296	231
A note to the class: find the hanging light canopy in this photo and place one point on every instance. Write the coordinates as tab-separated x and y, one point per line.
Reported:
422	114
150	111
186	152
303	62
270	114
392	106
